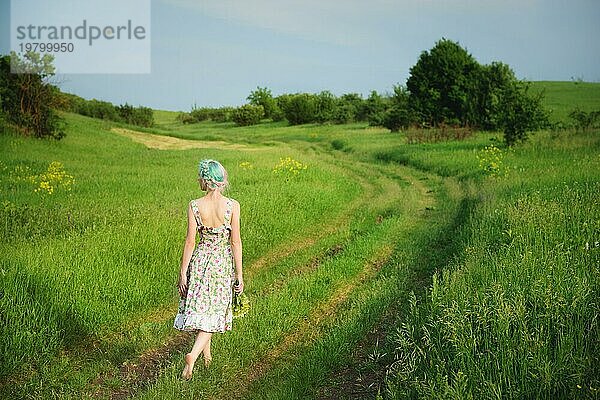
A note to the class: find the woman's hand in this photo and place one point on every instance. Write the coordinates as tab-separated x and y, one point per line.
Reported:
182	285
239	285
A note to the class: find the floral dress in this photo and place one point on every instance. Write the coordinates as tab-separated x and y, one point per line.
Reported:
207	304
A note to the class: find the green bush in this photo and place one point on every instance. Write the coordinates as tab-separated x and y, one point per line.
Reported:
248	114
338	144
585	121
300	108
222	114
141	116
397	118
185	118
98	109
201	114
399	115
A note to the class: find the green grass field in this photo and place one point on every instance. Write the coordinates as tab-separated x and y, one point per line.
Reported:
382	269
562	97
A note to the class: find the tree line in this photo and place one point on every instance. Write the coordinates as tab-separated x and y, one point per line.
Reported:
446	87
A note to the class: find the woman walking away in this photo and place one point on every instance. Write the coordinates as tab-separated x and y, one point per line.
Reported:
210	269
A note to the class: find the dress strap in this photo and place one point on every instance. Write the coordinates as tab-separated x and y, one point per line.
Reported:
228	211
196	213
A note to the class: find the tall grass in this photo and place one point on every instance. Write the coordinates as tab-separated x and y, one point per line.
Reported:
516	314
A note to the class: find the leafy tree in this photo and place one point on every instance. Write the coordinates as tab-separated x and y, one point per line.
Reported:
263	97
441	83
248	114
27	99
519	112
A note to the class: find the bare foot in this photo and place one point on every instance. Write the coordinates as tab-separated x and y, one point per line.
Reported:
207	361
189	367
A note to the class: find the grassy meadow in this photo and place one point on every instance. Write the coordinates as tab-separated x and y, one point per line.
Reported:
456	269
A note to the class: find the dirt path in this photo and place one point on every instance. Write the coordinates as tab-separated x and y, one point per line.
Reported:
163	142
325	311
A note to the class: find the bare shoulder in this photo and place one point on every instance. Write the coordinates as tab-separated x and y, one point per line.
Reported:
235	203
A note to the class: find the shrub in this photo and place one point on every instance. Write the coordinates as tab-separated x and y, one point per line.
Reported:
222	114
99	109
200	114
400	115
338	144
248	114
141	116
491	80
585	120
300	108
185	118
397	118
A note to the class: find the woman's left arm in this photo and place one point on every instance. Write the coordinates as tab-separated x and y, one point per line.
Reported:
188	249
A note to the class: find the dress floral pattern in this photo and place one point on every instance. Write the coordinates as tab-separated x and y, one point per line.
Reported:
207	304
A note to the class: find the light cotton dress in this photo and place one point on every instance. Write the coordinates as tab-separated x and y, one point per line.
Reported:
207	304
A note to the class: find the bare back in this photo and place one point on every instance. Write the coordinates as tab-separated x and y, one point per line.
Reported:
212	211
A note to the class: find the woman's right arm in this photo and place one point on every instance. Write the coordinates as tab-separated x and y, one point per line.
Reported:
188	249
236	246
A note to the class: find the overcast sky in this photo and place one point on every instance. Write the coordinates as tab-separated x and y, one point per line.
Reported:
215	52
